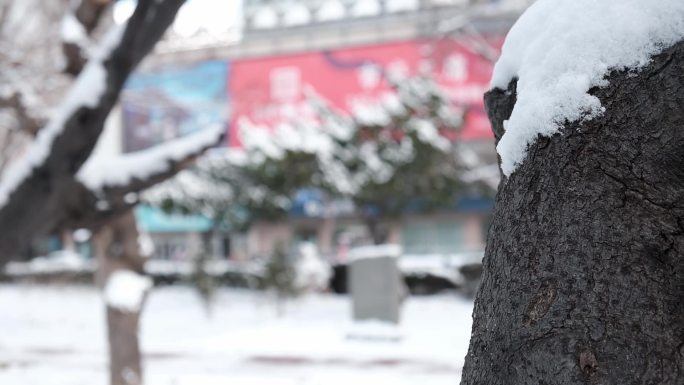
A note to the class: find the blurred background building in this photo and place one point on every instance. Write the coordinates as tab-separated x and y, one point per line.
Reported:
257	59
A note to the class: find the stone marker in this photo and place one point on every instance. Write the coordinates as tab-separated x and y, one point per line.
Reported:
375	283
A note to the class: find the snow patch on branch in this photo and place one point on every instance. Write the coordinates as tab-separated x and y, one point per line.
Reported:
72	30
306	137
428	133
558	50
100	172
86	92
125	290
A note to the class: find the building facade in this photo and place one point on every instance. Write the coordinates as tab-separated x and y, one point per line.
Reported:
261	69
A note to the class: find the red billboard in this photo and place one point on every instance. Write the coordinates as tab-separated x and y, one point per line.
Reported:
273	89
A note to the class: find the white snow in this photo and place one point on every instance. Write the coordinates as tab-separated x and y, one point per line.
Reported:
428	133
296	14
60	261
363	8
330	10
82	235
125	290
560	49
265	18
325	133
104	171
72	30
122	10
189	186
445	266
312	273
145	245
401	5
374	330
58	337
306	137
375	251
85	92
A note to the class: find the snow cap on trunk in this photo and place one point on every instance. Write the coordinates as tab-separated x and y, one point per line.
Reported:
558	50
72	30
125	290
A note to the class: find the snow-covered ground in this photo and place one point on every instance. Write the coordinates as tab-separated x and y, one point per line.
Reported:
55	335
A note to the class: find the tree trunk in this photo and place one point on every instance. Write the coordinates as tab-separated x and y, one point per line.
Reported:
583	274
68	242
376	229
125	365
117	250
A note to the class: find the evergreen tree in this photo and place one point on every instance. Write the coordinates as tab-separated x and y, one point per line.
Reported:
402	152
280	277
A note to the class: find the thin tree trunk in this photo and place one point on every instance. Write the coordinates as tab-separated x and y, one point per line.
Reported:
376	230
117	250
124	347
584	273
68	242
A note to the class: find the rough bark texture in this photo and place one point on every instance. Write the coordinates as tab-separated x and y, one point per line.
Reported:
583	274
38	203
117	249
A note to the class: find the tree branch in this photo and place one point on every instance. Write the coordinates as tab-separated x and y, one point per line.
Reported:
34	192
95	199
77	28
27	122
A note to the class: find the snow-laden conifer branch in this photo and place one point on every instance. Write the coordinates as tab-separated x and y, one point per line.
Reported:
391	153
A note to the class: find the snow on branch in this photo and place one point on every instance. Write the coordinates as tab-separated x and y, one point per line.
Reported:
106	187
101	172
72	30
86	92
558	50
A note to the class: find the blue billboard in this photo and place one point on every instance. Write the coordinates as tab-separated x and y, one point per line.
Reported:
173	101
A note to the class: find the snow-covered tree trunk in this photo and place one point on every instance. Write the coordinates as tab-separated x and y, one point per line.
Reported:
121	277
583	277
